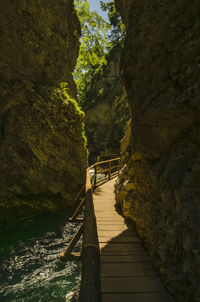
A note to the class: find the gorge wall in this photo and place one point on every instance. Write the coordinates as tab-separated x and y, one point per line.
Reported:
108	110
42	144
158	187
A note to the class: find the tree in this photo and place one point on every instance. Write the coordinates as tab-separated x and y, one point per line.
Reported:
95	45
97	39
117	32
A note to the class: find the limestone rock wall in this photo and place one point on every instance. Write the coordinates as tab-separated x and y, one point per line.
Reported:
158	187
108	110
42	146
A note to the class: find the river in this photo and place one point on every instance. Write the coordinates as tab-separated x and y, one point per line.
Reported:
30	269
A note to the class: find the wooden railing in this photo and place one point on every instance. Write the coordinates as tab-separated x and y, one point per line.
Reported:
90	290
107	169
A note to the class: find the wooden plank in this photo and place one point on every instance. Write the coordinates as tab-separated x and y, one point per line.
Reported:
127	270
123	258
104	214
113	205
103	218
115	235
122	253
107	202
119	239
118	223
107	227
131	285
108	220
137	297
121	247
108	216
124	233
107	211
104	207
101	212
111	227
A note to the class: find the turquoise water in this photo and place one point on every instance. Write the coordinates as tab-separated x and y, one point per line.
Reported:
30	269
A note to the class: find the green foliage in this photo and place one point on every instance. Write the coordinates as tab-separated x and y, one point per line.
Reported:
63	94
97	39
73	109
94	47
118	28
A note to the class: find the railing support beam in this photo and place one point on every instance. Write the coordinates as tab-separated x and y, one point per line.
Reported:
109	171
95	177
78	210
67	253
119	164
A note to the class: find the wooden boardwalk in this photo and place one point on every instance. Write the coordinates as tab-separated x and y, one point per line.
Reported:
126	272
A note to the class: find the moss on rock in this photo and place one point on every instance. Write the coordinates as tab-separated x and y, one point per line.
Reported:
42	142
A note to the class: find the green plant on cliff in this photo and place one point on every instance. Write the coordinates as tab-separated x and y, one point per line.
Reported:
62	91
73	107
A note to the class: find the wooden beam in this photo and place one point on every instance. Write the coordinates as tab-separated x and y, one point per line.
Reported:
104	162
78	210
67	253
90	290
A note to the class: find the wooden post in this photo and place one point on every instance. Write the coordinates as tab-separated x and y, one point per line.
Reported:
118	165
95	176
90	290
78	210
109	171
64	256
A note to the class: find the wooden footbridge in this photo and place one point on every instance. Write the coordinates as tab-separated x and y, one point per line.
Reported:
115	266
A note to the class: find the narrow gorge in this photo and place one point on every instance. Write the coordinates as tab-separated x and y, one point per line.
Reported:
146	83
107	115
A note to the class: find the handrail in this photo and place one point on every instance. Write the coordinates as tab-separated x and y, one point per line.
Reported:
104	162
107	170
90	290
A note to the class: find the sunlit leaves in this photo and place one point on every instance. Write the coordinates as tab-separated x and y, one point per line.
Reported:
118	28
98	37
94	47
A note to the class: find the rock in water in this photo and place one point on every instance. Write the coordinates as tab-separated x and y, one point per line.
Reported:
42	143
158	187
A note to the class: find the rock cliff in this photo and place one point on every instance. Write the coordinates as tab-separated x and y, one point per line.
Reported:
42	145
108	112
158	187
